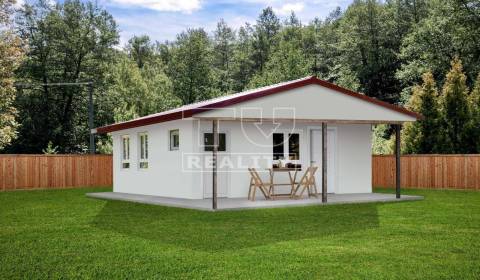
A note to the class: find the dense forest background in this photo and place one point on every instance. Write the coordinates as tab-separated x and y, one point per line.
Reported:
423	54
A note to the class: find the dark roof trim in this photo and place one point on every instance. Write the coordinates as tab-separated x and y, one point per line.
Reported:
207	106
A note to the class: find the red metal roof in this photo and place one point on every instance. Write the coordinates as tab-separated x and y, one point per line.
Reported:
187	111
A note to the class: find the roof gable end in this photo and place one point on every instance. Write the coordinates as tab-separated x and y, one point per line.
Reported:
229	100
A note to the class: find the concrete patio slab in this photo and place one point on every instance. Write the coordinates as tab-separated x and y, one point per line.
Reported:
244	203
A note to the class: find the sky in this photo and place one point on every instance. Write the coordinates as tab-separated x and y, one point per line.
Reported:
164	19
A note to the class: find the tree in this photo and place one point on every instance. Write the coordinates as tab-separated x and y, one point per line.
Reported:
140	49
190	67
11	53
450	28
474	99
223	41
382	143
456	113
322	44
264	40
368	49
243	66
68	42
423	136
136	92
287	61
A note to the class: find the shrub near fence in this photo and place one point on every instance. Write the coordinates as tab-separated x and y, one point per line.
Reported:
54	171
428	171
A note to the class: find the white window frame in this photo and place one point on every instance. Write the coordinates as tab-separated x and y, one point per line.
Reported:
286	146
125	142
143	150
226	133
170	142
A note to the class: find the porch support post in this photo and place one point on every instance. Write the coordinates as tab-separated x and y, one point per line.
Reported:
214	163
398	176
324	162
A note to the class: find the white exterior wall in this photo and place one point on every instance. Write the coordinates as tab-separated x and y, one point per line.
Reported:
167	177
353	156
164	176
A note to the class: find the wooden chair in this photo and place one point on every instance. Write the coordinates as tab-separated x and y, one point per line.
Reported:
257	182
307	182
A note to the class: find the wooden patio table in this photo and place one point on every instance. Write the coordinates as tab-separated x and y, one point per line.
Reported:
292	178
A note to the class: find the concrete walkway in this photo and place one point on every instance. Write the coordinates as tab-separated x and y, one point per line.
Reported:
243	203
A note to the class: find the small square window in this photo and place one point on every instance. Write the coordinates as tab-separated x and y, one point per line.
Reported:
174	140
208	142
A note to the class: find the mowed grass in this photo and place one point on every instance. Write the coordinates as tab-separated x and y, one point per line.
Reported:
63	234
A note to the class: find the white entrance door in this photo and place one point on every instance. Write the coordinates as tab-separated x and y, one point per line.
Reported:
316	157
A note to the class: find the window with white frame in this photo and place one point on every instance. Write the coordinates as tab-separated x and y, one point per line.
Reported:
286	149
125	151
143	154
208	142
174	139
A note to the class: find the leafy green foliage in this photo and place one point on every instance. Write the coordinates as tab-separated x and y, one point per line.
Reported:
474	99
223	47
11	53
456	113
264	37
382	144
451	28
287	61
67	42
136	91
243	63
423	136
189	69
379	48
50	149
451	119
369	47
140	49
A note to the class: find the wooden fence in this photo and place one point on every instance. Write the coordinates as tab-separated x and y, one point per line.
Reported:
54	171
67	171
429	171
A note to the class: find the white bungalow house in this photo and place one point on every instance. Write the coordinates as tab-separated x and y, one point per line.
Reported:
171	154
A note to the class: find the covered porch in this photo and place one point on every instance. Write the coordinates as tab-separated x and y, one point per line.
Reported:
244	203
324	194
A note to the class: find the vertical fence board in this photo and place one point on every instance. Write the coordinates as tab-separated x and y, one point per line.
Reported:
2	173
429	171
9	174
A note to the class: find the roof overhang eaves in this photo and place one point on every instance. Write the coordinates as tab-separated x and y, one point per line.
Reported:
144	121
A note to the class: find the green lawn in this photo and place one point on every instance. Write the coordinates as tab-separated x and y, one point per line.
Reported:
63	234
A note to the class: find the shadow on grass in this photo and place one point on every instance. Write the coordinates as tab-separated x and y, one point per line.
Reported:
230	230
